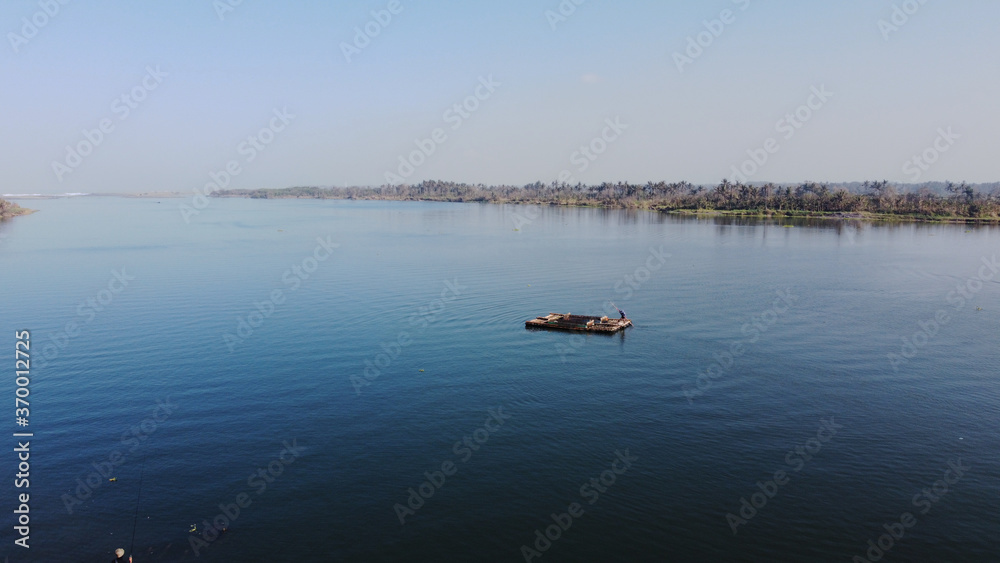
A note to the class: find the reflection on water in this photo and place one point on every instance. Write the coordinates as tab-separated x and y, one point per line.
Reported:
574	399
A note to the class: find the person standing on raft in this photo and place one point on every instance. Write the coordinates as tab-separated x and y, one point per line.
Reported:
120	556
620	312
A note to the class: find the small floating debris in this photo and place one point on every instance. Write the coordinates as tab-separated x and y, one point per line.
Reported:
569	321
421	370
113	479
194	528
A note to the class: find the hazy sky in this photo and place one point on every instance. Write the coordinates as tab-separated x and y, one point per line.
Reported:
289	93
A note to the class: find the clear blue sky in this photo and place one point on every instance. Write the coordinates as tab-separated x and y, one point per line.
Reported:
353	121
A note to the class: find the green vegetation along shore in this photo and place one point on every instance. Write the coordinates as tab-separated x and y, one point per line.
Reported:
865	200
11	209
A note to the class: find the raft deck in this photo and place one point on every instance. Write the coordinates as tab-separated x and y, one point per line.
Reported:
568	321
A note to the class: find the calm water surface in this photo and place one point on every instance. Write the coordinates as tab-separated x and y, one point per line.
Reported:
322	362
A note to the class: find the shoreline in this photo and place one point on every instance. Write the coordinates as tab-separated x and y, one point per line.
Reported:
747	213
9	210
20	211
750	213
834	215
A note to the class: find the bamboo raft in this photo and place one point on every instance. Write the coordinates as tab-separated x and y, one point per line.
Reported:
559	321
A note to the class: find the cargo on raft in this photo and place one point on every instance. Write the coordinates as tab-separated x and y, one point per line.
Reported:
559	321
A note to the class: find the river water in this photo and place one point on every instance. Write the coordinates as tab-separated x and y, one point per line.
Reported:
355	379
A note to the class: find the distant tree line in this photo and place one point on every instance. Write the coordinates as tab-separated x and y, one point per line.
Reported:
947	200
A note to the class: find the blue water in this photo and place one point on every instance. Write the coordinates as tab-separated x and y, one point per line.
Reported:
434	297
